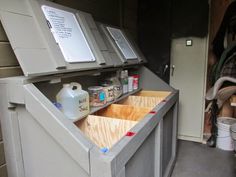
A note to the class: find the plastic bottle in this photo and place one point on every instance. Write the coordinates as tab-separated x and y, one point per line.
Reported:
97	96
136	82
130	83
124	81
74	101
117	86
109	91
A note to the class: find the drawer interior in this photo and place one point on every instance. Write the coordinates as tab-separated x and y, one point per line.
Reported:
108	125
104	131
125	112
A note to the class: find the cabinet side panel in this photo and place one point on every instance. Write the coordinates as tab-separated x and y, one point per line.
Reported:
11	136
42	155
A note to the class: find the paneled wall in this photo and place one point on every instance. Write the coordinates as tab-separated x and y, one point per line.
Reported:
3	169
8	63
8	67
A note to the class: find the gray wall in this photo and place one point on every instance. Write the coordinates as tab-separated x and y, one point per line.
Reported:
130	17
121	13
107	11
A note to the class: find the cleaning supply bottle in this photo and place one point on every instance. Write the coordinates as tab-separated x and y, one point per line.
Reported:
74	101
117	86
124	81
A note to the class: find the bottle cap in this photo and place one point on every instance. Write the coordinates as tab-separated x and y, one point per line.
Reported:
66	85
95	88
135	76
75	86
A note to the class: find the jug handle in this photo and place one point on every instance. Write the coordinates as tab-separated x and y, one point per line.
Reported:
75	84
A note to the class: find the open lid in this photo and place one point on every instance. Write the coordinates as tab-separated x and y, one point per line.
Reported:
48	38
122	45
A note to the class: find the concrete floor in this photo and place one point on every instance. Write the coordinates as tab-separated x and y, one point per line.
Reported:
198	160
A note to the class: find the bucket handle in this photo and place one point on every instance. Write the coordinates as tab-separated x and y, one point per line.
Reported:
224	136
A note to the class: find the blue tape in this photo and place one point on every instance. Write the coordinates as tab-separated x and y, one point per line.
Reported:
104	150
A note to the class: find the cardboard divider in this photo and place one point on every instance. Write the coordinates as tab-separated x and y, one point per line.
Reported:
126	112
104	131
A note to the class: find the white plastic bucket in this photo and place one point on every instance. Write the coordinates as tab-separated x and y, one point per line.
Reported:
233	134
224	140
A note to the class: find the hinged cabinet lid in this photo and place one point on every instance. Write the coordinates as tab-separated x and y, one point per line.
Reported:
121	45
48	38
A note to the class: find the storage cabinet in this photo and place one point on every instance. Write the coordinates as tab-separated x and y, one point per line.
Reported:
132	136
45	141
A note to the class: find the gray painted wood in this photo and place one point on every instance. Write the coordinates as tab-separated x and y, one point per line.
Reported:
10	71
3	171
22	31
91	39
47	157
174	140
0	132
158	148
142	162
167	143
11	136
3	36
59	128
122	173
148	76
114	48
39	54
19	7
2	156
7	56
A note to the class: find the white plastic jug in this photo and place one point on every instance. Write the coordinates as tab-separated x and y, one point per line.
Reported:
74	101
